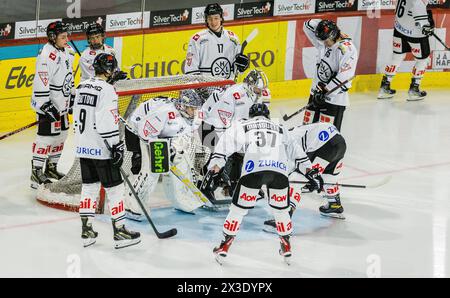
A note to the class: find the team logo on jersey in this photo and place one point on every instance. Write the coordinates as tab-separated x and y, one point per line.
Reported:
224	116
149	129
323	136
196	37
249	166
324	71
189	58
171	115
67	85
52	56
115	113
93	53
44	77
221	67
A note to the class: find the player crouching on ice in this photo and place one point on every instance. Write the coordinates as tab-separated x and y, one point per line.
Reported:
265	163
162	118
317	150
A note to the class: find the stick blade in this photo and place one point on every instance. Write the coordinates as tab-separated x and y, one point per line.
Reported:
167	234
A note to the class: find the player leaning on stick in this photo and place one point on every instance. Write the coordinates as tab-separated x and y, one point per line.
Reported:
100	151
316	152
52	88
412	30
215	51
336	62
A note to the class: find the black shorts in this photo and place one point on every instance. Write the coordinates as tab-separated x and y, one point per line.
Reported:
271	179
419	47
325	113
333	152
47	128
100	170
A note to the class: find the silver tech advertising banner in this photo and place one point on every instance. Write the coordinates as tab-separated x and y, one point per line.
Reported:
198	13
292	7
376	4
336	5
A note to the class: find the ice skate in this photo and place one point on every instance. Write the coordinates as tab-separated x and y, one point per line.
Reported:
385	91
124	238
221	251
88	235
414	93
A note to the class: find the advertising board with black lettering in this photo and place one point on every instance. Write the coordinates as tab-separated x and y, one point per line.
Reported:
376	4
253	10
174	17
29	29
336	5
441	59
7	31
79	25
129	20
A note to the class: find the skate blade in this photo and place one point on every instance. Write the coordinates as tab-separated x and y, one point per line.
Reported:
385	96
219	259
134	216
34	185
415	98
126	243
338	216
270	230
88	241
287	260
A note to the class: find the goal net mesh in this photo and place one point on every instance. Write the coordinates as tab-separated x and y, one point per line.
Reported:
65	193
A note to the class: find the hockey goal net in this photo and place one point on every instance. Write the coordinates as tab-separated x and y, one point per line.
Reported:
65	193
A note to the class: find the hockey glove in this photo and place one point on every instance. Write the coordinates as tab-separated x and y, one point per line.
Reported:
242	62
427	30
315	181
117	153
71	102
136	163
50	111
318	97
117	76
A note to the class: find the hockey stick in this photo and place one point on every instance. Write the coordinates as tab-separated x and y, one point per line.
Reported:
286	117
249	38
374	185
160	235
440	40
21	129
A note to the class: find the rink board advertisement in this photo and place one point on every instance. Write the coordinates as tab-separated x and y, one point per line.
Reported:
162	56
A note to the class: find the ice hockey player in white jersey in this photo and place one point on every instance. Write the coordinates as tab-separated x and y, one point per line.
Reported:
95	35
412	29
232	104
162	118
262	142
316	152
52	89
101	152
336	62
215	51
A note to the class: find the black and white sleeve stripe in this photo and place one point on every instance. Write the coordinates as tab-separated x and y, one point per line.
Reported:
110	134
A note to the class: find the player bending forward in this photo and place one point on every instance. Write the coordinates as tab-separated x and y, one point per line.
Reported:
317	151
100	151
336	63
263	144
165	118
223	107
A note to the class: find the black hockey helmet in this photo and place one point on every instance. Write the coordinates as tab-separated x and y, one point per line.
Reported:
212	9
259	109
55	28
105	64
327	29
94	29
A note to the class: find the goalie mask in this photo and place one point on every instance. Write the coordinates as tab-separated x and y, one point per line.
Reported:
254	83
188	103
95	35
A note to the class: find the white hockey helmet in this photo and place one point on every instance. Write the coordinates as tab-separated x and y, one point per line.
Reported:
255	82
188	102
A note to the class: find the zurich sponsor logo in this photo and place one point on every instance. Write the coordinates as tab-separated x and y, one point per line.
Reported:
323	136
89	151
249	166
272	163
